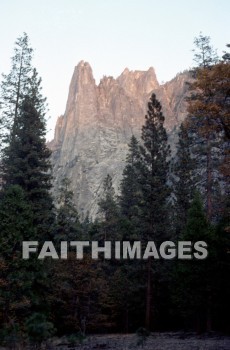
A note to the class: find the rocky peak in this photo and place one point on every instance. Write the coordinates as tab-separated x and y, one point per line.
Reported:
91	138
107	84
82	80
134	82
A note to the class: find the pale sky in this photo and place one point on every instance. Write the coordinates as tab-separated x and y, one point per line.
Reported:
110	35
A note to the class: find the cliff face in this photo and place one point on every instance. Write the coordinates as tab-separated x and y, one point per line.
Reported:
91	137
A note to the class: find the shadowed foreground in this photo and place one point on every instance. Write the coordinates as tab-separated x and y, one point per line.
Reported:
156	341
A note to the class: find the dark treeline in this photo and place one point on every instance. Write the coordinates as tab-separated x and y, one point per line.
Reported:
163	197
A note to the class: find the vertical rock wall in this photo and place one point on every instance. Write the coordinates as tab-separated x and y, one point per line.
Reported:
91	138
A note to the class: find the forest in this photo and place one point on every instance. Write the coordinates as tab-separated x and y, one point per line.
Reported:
163	197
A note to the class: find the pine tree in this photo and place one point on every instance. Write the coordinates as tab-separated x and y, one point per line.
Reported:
210	90
38	329
226	56
208	109
185	178
26	163
221	271
35	93
25	157
79	296
126	288
15	86
193	278
16	277
205	56
68	226
109	210
127	292
155	152
131	195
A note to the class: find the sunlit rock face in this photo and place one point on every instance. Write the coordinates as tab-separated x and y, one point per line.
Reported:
91	138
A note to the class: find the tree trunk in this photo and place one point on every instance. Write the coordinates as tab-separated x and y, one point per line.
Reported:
126	319
209	182
148	296
198	323
209	314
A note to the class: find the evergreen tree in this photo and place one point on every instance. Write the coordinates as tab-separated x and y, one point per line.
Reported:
226	56
194	278
109	210
185	180
128	284
68	226
25	172
210	91
127	292
39	329
131	195
209	117
26	163
16	277
15	86
205	56
79	296
35	93
221	271
25	157
155	152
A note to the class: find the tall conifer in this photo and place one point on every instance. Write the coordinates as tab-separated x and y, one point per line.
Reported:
15	86
155	152
185	179
26	163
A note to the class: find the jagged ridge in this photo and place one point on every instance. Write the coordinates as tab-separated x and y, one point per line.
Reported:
91	137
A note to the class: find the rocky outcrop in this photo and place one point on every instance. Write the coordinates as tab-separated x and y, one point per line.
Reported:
91	138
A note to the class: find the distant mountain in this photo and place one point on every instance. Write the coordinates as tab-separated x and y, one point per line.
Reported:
91	138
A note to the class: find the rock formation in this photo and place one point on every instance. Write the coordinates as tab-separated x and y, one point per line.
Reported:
91	138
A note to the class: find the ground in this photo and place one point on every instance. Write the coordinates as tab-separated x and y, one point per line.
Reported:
156	341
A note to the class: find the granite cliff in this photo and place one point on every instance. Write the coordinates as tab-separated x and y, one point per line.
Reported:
91	138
